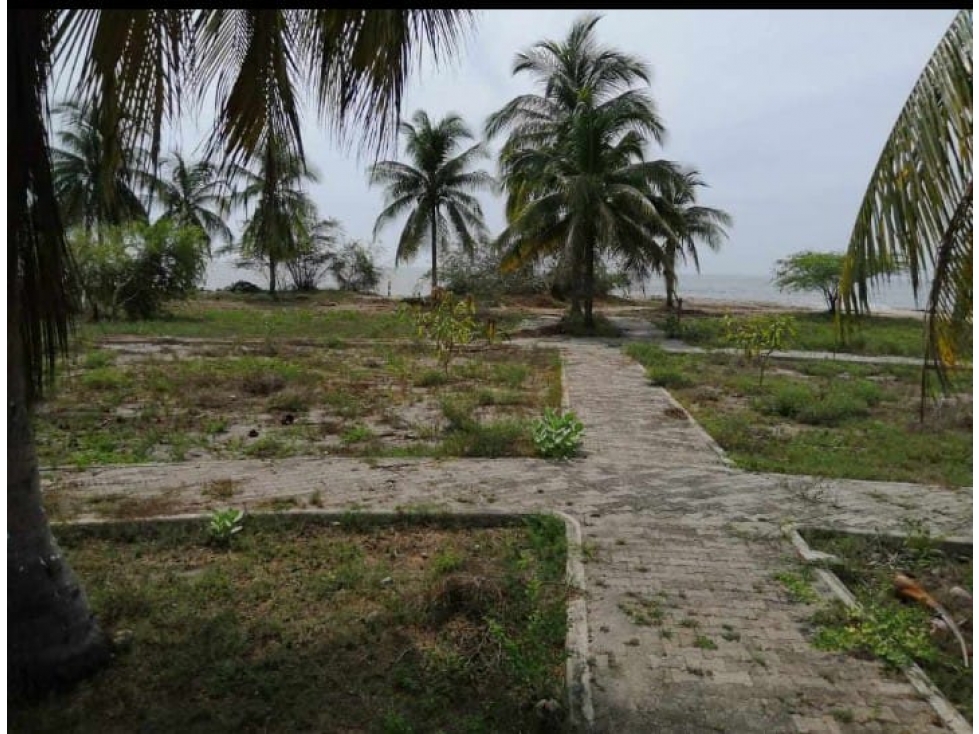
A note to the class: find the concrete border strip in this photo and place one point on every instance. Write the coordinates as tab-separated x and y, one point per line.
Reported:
581	710
919	680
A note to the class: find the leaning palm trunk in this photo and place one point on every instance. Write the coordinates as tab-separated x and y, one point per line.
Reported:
52	637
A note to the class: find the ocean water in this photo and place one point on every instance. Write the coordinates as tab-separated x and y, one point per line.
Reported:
694	288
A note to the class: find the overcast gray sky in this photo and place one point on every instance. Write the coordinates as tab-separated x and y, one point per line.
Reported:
783	112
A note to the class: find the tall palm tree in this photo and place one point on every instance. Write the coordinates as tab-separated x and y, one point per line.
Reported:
88	193
195	194
916	214
281	209
574	163
138	65
688	224
436	188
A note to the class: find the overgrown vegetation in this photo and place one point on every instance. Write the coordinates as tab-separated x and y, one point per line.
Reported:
273	398
899	632
133	270
816	332
304	625
822	417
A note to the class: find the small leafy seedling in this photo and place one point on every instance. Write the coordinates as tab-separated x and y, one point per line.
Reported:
557	436
225	524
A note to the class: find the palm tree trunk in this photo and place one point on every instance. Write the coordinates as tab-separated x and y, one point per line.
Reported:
589	284
669	279
576	294
52	636
272	276
435	279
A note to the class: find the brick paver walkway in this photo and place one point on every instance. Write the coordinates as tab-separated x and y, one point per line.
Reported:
673	536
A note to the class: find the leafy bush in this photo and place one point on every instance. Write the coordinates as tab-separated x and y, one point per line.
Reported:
135	268
557	436
448	323
354	268
482	277
225	524
757	337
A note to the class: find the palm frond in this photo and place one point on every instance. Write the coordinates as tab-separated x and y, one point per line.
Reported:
911	218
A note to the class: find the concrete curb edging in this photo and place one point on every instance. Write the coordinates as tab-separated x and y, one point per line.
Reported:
577	672
581	711
708	439
949	715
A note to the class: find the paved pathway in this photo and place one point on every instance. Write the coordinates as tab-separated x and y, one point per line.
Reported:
671	532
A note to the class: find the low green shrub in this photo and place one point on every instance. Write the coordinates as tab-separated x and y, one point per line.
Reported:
557	436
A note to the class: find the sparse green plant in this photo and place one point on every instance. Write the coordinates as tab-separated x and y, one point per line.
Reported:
897	635
357	434
557	436
449	323
704	643
757	337
224	525
797	585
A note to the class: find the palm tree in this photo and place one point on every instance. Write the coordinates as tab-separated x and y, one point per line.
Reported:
436	188
138	65
196	195
688	225
574	164
916	214
90	190
282	210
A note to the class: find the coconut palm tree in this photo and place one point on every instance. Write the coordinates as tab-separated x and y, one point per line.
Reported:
281	210
137	65
195	194
435	189
88	192
916	214
574	163
688	224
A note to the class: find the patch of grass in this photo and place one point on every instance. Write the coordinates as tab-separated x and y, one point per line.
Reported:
491	439
105	379
689	622
357	434
292	630
642	611
432	378
290	400
510	375
844	716
880	335
206	395
798	585
98	359
446	561
704	643
861	426
269	447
